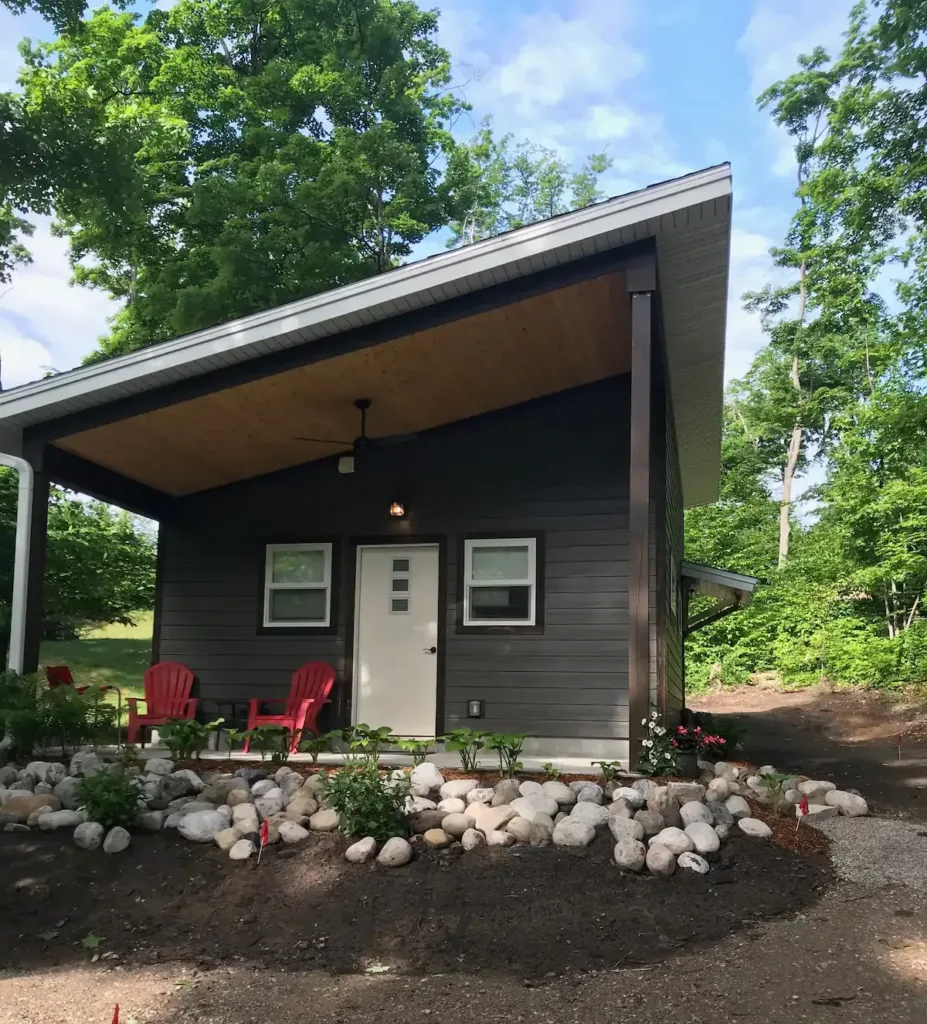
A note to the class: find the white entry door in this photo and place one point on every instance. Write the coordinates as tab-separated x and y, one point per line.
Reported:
396	638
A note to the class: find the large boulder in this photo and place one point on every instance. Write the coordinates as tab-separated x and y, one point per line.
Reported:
660	861
456	824
414	804
8	774
452	805
481	795
395	853
651	821
560	792
438	839
242	796
531	788
270	803
520	828
625	828
816	790
291	832
85	763
263	786
719	789
850	804
590	813
54	773
664	803
20	807
361	851
694	811
421	822
531	806
620	808
704	837
499	838
425	778
290	785
458	788
684	792
634	798
181	783
673	839
66	791
59	819
590	793
202	826
505	791
325	820
630	854
89	835
35	770
244	818
738	807
754	827
488	818
302	803
573	831
117	840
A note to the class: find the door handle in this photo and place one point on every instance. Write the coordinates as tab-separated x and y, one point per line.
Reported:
430	650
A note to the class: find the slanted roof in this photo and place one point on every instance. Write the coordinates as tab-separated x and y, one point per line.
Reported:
731	592
687	219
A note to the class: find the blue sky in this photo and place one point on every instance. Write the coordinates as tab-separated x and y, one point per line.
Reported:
663	87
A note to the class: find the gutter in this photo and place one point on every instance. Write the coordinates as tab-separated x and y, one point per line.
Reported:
20	560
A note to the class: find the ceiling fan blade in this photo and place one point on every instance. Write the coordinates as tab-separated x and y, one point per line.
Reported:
324	440
385	442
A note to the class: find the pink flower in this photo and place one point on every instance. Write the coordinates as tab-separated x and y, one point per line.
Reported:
682	730
675	744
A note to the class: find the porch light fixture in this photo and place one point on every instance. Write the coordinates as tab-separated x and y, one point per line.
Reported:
475	709
397	509
346	464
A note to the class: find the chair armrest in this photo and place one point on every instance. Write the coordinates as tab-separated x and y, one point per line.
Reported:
192	704
132	701
301	713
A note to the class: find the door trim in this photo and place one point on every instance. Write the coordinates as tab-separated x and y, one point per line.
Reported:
352	594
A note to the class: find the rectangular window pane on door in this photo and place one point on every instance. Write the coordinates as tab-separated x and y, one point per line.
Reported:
506	603
305	566
297	605
499	563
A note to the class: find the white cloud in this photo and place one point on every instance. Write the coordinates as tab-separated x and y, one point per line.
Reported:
750	269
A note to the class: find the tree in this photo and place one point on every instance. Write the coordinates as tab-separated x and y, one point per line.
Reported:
254	153
501	185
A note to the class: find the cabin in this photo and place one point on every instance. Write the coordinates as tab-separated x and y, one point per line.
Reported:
461	483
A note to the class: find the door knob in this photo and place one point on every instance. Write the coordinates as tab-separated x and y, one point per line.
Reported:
430	650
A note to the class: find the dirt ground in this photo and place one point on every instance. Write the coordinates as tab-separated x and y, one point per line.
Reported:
187	938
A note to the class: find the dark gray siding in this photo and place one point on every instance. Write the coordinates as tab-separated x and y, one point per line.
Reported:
558	467
672	595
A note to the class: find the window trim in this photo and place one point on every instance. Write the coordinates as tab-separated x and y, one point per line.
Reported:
535	564
327	548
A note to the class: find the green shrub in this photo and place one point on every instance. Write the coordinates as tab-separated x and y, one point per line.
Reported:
185	737
39	717
551	772
419	749
658	755
729	729
610	769
367	803
111	797
271	739
508	746
315	745
365	741
468	744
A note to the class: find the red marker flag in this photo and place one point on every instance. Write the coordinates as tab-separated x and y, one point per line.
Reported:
116	1014
802	811
265	828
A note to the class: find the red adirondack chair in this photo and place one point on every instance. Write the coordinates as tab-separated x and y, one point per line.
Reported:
58	675
167	695
309	690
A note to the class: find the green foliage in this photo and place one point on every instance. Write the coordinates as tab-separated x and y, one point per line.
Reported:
729	729
610	769
111	797
365	741
658	753
38	718
508	746
550	772
418	748
367	803
185	737
468	744
321	744
773	785
274	740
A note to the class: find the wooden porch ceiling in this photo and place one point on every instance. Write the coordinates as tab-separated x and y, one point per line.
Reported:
534	347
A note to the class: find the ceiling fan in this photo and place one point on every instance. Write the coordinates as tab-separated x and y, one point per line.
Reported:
362	444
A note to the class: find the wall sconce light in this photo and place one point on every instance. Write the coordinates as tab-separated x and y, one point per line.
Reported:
397	509
475	709
346	464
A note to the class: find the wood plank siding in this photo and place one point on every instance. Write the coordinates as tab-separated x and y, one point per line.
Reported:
672	598
556	467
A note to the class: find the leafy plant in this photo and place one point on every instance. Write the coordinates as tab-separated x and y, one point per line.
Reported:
111	797
271	739
468	744
321	744
368	804
727	728
692	739
508	745
776	798
551	772
365	741
418	748
235	736
610	769
658	755
185	737
38	717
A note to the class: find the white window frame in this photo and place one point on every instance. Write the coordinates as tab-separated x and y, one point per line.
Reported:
270	586
529	581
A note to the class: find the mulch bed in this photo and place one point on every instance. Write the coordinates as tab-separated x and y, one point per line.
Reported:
524	910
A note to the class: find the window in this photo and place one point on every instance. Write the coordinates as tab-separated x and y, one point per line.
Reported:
399	583
297	585
500	582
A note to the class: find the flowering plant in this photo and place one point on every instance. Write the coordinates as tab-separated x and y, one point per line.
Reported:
658	754
695	740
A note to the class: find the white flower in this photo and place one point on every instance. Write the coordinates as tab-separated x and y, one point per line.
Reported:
660	731
643	721
647	743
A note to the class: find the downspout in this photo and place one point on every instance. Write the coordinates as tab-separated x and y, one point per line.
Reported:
20	560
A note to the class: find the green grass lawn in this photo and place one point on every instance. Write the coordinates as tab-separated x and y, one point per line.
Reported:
115	655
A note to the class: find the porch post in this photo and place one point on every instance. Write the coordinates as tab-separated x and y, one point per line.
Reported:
35	603
641	285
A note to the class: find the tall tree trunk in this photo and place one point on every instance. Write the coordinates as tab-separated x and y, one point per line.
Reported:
791	462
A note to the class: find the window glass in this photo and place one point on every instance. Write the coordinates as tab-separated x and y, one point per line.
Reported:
504	603
298	566
298	605
499	563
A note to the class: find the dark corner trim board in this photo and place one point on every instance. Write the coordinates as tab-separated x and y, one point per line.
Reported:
629	257
350	596
539	589
160	559
334	587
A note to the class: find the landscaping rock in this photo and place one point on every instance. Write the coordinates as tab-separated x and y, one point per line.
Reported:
661	800
281	773
686	792
817	812
499	838
13	826
325	820
487	818
26	785
227	838
242	850
849	804
456	824
33	818
438	839
54	773
531	788
560	815
471	839
424	820
395	853
704	837
458	788
217	792
620	808
270	803
630	854
754	827
541	833
20	807
302	803
660	861
520	829
560	792
315	785
452	805
425	778
8	774
644	787
792	796
159	766
262	786
414	804
34	770
673	839
240	796
574	831
718	790
651	821
151	821
590	813
192	781
117	840
693	811
292	832
590	793
634	798
625	828
506	790
693	862
290	785
738	807
480	796
251	775
816	790
767	769
531	806
58	819
361	851
244	818
724	770
720	815
723	832
66	791
89	835
202	826
42	789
